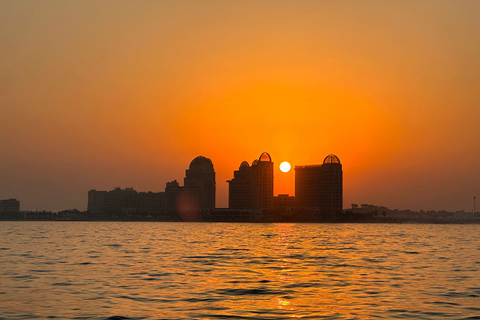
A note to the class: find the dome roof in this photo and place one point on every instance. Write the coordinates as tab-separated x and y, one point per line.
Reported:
255	162
244	164
331	158
201	162
265	157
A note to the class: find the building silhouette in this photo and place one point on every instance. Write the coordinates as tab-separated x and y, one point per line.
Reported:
125	201
199	181
9	206
197	195
252	186
318	195
172	190
284	200
320	186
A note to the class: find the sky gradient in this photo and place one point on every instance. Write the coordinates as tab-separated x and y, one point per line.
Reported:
104	94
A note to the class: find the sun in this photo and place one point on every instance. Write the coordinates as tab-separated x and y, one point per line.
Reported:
285	166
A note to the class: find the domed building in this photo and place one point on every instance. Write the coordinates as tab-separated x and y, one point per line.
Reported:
331	158
201	163
320	186
199	182
252	186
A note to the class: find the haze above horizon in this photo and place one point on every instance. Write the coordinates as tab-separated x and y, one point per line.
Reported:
95	95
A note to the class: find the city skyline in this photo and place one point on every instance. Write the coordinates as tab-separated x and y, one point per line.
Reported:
319	189
98	95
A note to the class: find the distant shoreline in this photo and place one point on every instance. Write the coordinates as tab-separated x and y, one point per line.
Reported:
357	214
386	221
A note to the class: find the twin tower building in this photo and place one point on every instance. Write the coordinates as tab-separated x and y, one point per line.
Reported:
318	188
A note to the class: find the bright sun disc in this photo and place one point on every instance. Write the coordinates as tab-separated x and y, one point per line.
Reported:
285	166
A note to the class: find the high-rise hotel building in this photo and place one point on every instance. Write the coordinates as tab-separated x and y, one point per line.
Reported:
199	181
252	185
320	186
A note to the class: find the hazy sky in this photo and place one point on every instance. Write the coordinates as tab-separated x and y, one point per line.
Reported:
99	94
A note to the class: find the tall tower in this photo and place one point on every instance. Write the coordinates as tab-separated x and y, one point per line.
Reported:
263	182
320	186
252	186
199	182
332	186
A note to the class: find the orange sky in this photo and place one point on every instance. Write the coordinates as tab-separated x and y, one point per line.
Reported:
127	93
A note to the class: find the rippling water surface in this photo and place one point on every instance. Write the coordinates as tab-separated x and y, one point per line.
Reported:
131	270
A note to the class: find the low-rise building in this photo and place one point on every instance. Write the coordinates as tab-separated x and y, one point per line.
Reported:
197	195
9	206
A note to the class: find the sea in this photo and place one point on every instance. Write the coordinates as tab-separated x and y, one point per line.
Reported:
158	270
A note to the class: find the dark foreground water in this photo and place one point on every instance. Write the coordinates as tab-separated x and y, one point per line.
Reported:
117	270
